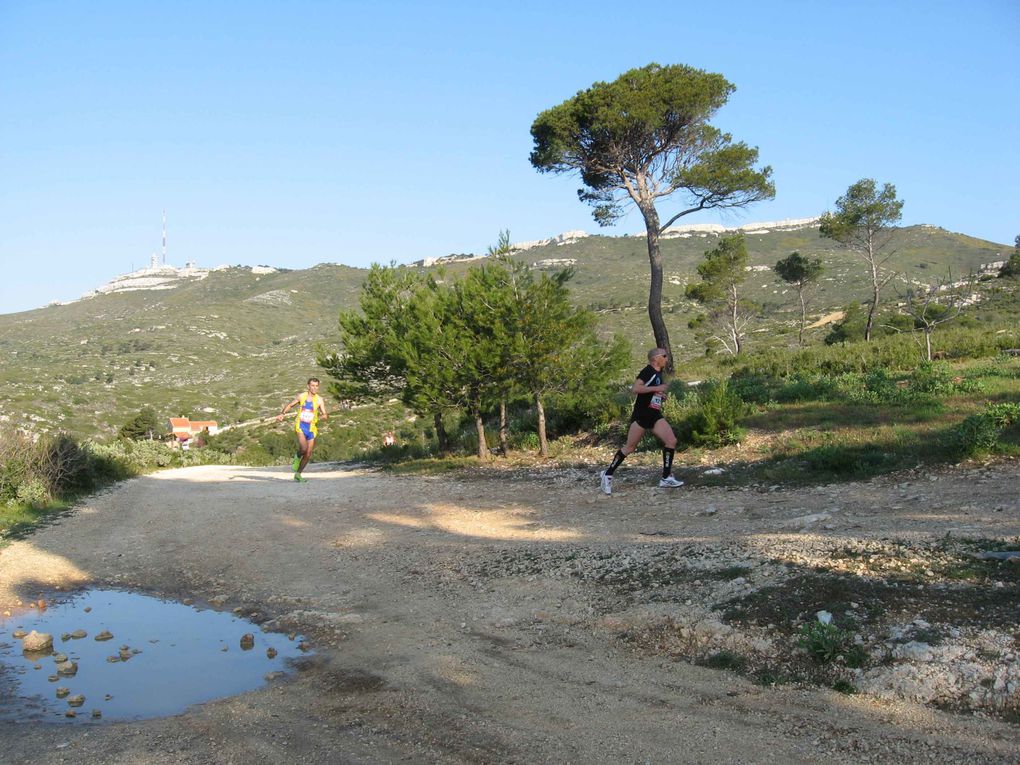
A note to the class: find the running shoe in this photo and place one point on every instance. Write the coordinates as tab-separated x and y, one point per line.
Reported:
669	482
296	462
300	478
607	482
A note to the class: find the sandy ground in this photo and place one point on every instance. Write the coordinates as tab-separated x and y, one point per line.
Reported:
431	647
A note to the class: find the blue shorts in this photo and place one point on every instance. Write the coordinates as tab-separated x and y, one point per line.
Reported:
306	430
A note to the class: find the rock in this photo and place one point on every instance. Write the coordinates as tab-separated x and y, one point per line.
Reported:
247	641
19	634
75	701
271	653
67	669
60	658
63	692
104	635
803	521
96	714
35	642
78	634
914	651
270	676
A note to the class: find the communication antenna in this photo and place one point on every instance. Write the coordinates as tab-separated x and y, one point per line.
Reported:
164	237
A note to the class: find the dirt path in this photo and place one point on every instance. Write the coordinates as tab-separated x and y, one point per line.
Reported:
450	623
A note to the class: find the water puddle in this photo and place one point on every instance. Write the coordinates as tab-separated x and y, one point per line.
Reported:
124	656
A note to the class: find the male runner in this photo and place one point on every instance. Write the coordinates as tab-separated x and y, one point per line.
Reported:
310	405
647	415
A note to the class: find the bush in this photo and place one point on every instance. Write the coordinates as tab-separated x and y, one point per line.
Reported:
37	472
980	433
826	643
709	416
33	493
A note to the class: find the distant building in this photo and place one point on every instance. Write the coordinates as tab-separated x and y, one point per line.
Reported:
185	430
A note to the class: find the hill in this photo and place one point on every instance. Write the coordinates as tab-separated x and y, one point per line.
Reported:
237	342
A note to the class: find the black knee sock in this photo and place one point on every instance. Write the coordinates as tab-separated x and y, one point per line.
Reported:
617	459
667	461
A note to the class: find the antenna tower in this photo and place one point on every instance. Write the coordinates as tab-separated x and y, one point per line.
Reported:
164	237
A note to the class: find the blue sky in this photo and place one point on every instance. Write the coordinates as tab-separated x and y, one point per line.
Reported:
290	134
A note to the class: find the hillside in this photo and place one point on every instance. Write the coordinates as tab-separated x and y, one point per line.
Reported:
236	343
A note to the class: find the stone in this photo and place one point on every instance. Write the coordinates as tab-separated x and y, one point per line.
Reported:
35	642
60	658
78	634
104	635
271	653
247	641
67	669
63	692
75	701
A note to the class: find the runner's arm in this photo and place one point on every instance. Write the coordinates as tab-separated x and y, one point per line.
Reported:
287	408
640	386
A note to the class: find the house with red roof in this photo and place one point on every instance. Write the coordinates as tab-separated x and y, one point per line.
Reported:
185	430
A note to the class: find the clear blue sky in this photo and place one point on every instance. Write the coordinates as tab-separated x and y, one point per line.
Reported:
291	134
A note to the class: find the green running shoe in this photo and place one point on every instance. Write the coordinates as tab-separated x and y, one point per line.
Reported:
300	478
296	462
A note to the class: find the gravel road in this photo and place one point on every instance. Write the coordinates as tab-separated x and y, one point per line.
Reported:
453	621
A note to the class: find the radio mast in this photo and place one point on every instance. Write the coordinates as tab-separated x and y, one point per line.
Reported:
164	237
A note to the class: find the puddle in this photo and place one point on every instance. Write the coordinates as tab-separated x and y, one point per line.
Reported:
163	657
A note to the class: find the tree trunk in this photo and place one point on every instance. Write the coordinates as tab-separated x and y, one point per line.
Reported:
483	448
655	287
735	319
872	310
927	342
504	440
803	316
543	444
441	435
876	287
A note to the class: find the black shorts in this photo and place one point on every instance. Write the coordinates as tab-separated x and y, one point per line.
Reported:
647	419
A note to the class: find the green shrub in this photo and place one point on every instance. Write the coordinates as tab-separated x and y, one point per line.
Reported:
33	493
848	460
753	388
980	433
709	417
827	643
932	378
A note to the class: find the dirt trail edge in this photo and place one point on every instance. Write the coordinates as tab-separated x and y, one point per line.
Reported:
468	620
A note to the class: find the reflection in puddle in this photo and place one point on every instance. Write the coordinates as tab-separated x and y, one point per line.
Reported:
123	656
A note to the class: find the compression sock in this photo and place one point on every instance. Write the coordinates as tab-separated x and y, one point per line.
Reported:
667	461
618	458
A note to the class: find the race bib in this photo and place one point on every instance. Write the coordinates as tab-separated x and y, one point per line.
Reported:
307	415
656	402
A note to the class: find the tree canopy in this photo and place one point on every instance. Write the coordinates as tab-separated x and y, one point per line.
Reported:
500	332
644	137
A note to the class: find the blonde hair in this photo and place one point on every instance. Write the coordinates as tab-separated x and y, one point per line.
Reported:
657	352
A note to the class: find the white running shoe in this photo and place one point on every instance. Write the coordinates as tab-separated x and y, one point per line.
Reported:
669	482
607	482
